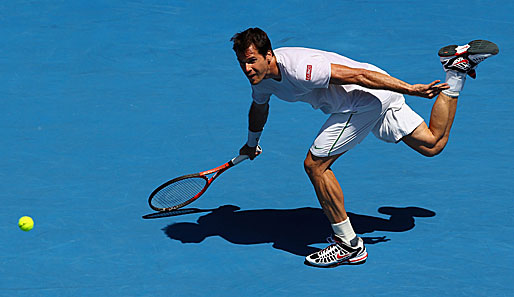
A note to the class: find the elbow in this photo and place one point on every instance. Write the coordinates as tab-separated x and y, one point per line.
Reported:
365	78
362	78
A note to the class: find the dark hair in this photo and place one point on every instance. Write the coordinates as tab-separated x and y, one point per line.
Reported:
257	37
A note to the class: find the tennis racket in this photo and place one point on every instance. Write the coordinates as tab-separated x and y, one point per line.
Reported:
183	190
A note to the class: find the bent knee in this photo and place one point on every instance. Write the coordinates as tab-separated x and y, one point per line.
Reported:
310	166
317	166
313	168
429	147
432	151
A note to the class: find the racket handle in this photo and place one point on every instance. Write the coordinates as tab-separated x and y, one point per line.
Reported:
241	158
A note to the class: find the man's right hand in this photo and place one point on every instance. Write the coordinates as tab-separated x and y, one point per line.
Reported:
430	90
251	152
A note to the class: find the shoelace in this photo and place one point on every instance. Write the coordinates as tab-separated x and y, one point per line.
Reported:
328	251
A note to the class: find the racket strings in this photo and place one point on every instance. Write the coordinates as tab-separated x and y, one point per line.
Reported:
178	192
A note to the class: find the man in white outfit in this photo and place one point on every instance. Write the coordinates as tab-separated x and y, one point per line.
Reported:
360	98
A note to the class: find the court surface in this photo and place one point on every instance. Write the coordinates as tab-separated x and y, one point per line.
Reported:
102	101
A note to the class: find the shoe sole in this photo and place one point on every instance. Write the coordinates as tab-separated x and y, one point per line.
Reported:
475	47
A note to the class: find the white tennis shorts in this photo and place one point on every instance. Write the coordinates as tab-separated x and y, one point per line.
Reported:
343	131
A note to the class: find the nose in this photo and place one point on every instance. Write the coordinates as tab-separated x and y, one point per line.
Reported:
248	68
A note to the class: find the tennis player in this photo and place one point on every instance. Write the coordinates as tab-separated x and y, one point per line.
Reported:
359	98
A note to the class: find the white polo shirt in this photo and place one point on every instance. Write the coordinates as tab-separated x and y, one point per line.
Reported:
306	75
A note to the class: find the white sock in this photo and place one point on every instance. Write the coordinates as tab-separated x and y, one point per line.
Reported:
344	231
456	82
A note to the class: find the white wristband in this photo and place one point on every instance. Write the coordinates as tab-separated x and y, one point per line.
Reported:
253	138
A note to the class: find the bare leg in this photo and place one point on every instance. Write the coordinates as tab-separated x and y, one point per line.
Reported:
346	247
431	140
328	190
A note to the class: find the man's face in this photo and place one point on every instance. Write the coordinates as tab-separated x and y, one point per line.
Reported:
254	65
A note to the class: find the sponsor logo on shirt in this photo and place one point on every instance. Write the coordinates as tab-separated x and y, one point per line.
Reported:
309	71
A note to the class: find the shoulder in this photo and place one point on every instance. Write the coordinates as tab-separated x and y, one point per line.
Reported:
261	93
292	57
297	53
296	59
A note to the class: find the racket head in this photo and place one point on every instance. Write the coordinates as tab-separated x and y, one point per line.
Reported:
178	192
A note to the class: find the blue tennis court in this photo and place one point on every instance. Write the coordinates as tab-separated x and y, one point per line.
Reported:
102	101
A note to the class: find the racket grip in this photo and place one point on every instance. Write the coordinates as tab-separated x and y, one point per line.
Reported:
241	158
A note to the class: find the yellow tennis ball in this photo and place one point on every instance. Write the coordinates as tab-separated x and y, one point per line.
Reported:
26	223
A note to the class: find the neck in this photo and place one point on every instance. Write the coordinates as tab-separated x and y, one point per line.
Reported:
274	71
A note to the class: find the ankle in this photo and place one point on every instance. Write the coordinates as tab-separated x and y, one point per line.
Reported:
451	94
344	231
455	80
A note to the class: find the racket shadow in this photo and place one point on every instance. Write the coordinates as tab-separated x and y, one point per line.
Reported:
174	213
290	230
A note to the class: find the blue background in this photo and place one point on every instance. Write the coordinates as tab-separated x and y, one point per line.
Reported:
102	101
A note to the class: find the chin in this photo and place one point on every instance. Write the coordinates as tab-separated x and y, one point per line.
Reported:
255	82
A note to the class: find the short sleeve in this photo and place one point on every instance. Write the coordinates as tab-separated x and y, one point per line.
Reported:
259	97
314	72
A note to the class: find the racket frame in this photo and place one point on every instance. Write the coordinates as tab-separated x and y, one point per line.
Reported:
217	172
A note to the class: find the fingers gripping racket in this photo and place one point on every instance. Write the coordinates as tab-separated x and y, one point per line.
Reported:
183	190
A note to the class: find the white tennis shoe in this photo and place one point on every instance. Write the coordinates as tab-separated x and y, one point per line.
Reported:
465	58
338	253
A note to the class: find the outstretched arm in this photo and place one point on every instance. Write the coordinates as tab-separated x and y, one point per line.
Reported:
342	75
257	118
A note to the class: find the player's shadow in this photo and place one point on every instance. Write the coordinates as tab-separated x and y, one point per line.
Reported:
291	230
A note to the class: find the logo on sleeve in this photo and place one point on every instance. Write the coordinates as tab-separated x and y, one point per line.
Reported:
309	72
